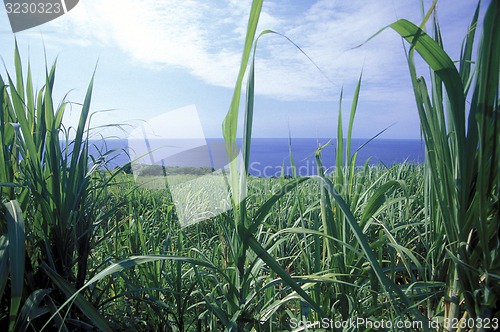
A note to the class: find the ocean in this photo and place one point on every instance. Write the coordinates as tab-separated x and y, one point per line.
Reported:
268	156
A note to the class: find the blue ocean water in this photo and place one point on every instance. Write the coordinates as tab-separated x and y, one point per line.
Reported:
269	156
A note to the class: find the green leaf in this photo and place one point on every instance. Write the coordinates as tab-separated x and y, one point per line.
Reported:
74	294
85	306
443	66
15	228
4	263
400	300
378	199
31	309
278	269
230	124
265	208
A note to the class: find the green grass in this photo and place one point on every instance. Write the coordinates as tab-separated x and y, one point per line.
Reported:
83	248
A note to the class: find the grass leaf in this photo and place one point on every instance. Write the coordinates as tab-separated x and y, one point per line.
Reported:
15	228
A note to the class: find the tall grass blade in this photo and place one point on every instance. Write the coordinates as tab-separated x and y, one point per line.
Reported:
85	306
443	66
16	234
354	107
4	263
397	294
377	200
74	294
287	279
230	124
462	165
265	208
31	309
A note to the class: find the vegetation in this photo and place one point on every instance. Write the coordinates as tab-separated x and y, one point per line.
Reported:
85	248
158	170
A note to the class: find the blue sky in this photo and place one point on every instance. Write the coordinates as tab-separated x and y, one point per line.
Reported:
155	56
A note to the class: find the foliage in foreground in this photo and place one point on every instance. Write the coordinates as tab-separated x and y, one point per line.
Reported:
462	165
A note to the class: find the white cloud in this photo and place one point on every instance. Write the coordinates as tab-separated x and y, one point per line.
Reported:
206	38
187	34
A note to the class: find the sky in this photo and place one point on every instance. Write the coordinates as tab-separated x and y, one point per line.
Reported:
156	56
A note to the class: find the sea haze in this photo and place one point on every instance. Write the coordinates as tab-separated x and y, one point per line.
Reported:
268	156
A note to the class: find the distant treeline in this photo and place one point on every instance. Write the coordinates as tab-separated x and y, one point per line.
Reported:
159	170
